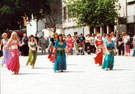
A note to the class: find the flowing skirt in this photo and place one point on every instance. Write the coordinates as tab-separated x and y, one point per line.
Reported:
6	56
32	57
99	58
127	48
51	56
108	61
13	63
60	61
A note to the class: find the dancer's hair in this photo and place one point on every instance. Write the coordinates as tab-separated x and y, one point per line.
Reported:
12	35
30	38
60	35
4	34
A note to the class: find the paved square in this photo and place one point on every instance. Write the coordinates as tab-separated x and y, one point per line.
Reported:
82	77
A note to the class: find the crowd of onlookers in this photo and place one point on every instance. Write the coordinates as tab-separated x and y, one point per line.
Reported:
80	44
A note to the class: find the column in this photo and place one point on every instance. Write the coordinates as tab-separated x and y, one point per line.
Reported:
94	30
101	30
107	29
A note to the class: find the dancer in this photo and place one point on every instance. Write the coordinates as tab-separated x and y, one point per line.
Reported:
109	55
60	61
51	45
13	44
70	44
99	50
32	51
6	53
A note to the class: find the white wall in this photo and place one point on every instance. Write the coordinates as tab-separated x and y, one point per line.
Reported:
131	10
32	28
79	30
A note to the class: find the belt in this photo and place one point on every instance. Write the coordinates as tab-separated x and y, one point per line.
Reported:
60	48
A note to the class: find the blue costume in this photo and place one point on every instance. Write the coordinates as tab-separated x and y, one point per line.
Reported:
109	57
60	61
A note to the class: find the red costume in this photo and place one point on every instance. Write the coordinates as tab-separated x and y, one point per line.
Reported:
98	59
70	44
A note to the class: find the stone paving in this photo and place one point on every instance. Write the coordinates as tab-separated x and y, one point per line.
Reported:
82	77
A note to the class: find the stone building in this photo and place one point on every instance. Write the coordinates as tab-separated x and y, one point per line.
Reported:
125	22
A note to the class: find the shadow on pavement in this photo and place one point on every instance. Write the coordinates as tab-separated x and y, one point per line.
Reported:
29	73
122	70
73	71
43	68
72	64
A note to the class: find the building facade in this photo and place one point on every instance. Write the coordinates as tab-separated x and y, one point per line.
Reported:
125	22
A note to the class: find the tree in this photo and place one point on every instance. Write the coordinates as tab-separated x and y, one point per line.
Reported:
93	12
12	11
54	16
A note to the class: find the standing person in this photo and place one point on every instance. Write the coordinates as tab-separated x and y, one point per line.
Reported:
117	40
77	44
24	48
70	43
6	53
127	45
37	38
92	42
87	43
60	61
12	44
134	45
43	44
47	42
99	50
109	55
82	40
114	39
104	38
51	45
32	43
121	45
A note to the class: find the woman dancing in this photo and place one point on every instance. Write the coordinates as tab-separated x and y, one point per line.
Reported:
6	53
70	44
12	44
109	55
51	45
60	61
99	50
32	51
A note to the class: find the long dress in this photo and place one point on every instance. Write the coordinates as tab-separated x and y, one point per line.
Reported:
32	54
109	57
99	58
70	45
13	63
60	61
6	53
52	57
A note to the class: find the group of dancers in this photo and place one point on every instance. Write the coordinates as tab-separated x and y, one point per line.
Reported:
11	52
105	47
58	49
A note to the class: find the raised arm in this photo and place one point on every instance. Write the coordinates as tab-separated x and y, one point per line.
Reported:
1	43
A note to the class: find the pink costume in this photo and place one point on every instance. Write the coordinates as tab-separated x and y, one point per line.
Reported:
13	63
70	44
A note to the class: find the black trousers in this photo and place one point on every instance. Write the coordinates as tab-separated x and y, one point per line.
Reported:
121	48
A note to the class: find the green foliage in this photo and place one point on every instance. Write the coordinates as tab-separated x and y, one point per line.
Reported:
12	11
93	12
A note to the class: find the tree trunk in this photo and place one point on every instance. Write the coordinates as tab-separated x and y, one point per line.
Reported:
37	25
89	29
54	29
